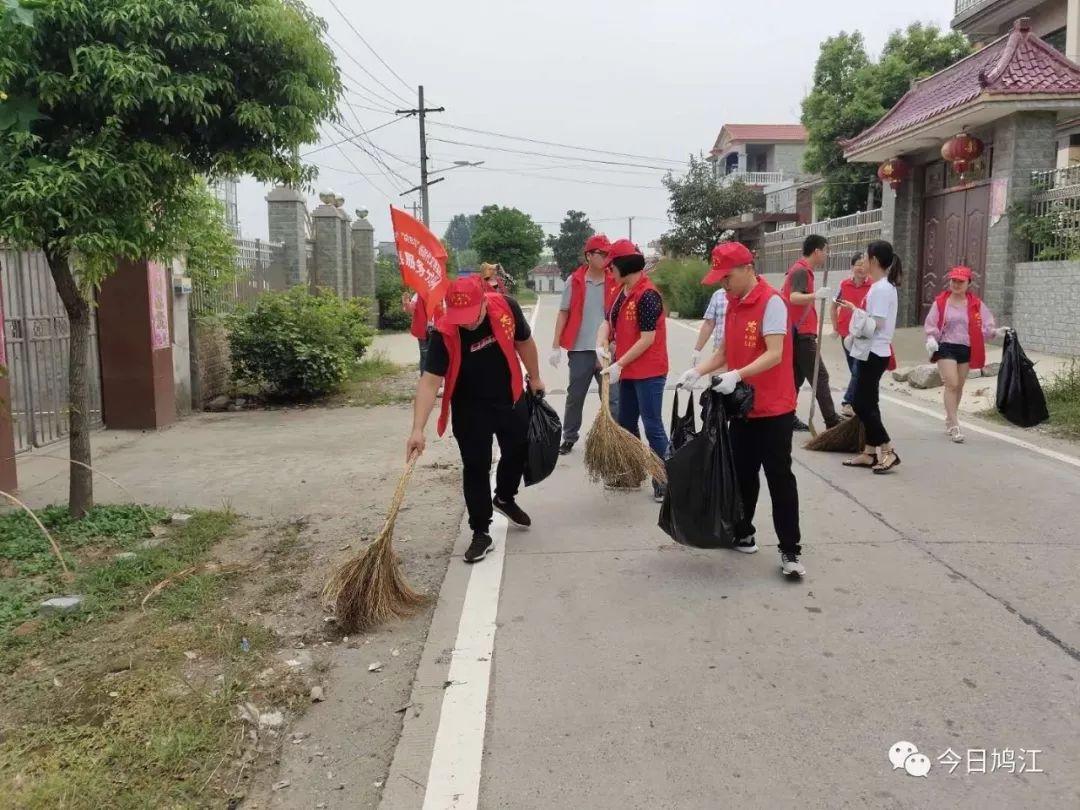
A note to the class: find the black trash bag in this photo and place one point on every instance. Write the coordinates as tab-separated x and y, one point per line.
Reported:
1020	397
684	427
703	505
737	404
545	434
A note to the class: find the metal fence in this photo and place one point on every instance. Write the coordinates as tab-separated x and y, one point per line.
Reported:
261	266
847	236
1053	222
36	342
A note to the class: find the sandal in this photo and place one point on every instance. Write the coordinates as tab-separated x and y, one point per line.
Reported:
889	460
860	461
955	434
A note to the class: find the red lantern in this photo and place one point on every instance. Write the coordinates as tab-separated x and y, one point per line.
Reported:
962	151
894	172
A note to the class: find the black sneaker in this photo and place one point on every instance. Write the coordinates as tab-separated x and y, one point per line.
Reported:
801	426
565	448
514	513
748	545
659	491
479	547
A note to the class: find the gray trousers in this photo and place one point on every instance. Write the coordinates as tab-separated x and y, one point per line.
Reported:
583	370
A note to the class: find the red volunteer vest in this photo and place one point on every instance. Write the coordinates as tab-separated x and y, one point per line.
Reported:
654	361
419	324
854	294
804	317
577	303
774	390
975	326
502	327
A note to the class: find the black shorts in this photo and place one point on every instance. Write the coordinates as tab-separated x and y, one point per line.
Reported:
953	351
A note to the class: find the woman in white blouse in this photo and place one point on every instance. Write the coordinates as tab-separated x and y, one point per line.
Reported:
870	343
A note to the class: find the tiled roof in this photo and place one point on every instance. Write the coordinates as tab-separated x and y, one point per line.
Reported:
766	133
1018	64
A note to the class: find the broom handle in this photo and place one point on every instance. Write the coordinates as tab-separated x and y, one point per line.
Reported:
399	494
605	387
817	358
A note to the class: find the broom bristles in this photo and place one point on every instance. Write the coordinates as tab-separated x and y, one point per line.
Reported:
371	588
847	437
616	456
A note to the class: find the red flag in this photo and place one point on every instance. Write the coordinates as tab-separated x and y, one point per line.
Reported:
422	258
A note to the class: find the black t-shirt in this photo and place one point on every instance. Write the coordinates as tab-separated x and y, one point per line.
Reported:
484	374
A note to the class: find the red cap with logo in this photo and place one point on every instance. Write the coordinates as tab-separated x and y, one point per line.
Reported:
725	257
960	274
621	248
598	242
464	300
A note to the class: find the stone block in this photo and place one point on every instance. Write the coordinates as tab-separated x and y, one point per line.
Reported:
60	605
180	519
974	373
925	376
991	369
902	374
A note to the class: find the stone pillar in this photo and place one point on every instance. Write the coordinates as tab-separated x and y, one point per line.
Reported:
901	224
9	481
1072	31
138	389
330	225
363	264
1023	143
181	336
287	210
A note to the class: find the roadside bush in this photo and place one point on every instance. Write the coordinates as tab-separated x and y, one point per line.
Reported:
679	281
298	345
388	290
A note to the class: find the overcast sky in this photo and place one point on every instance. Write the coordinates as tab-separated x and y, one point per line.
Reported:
651	79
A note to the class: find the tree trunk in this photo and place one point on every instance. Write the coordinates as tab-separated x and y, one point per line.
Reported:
81	488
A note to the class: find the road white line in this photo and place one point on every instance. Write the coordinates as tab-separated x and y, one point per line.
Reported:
457	759
1034	448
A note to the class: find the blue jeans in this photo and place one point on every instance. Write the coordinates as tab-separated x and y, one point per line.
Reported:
644	400
853	367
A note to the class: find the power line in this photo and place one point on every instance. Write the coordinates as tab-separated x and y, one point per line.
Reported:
561	145
367	44
380	164
360	65
372	143
354	136
370	180
555	157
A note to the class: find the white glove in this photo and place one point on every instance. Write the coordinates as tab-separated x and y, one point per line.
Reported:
728	381
602	352
695	357
556	358
931	346
688	379
823	294
1001	331
614	372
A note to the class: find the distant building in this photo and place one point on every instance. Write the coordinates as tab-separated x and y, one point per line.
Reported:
387	250
759	155
225	190
546	278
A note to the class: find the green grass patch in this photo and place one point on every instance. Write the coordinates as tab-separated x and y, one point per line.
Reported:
524	296
1062	392
377	381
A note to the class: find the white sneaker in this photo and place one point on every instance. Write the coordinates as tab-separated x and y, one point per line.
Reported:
748	545
790	565
955	434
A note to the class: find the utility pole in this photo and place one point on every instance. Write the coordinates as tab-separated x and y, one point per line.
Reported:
630	220
422	112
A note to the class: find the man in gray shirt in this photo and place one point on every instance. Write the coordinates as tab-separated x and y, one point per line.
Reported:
584	304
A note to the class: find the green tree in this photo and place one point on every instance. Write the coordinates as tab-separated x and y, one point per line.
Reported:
459	232
698	204
508	237
206	241
134	99
851	93
569	245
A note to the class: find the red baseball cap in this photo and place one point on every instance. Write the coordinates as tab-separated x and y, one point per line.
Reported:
725	257
598	242
463	301
960	274
620	248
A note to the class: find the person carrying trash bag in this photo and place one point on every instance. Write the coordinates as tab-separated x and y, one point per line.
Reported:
757	350
589	291
476	347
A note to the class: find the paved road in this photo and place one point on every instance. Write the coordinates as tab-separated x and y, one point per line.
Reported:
940	608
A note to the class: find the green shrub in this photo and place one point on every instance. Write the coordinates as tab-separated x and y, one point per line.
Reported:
679	281
388	290
298	345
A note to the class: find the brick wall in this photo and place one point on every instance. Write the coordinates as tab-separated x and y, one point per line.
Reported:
1047	300
788	158
211	363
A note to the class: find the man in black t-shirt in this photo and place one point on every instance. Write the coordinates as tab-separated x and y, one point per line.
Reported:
476	347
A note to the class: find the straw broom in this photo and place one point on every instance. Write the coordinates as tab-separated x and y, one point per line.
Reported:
616	456
847	437
370	588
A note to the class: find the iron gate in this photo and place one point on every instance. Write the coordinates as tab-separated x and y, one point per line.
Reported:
37	338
